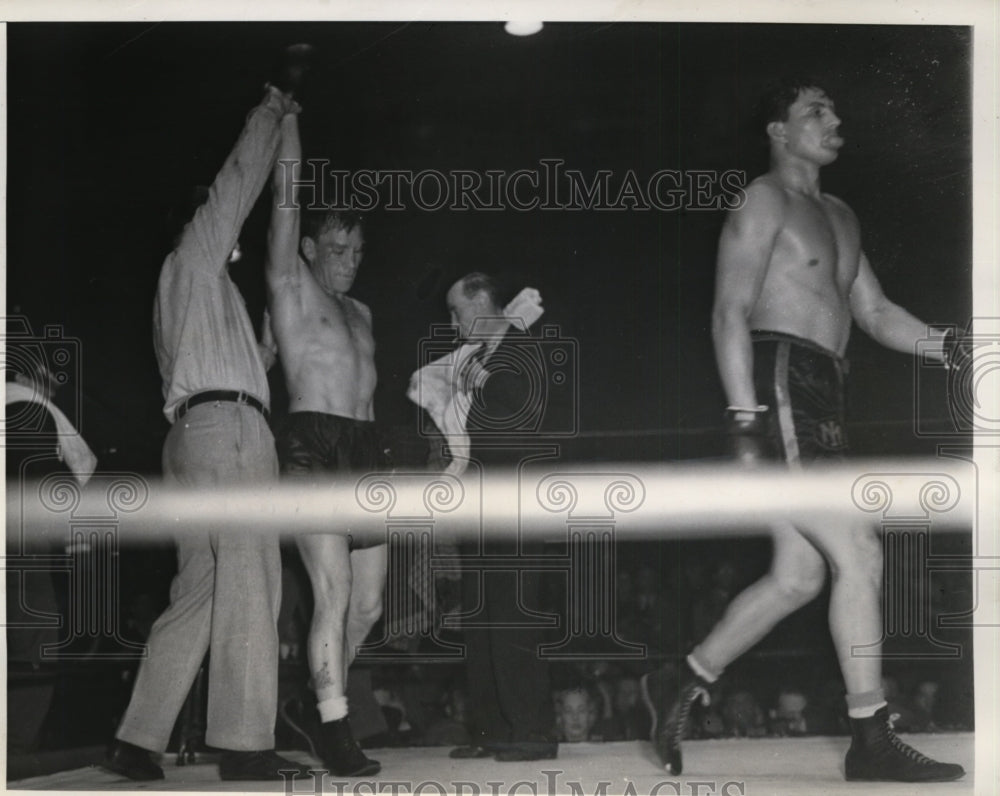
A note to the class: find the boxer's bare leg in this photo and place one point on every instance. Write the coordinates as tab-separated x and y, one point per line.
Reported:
368	568
796	577
855	556
327	561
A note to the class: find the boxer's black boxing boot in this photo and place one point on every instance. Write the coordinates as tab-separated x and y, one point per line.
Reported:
340	752
877	755
669	696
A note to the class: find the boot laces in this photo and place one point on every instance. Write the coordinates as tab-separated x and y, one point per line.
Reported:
690	695
906	749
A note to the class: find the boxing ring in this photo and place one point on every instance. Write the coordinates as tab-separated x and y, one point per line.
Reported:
588	508
638	500
737	767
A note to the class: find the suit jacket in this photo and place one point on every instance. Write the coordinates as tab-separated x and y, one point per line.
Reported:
514	411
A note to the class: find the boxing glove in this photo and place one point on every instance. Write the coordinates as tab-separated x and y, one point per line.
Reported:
958	349
291	68
747	435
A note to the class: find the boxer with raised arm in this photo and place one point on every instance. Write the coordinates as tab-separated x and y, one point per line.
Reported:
227	591
324	339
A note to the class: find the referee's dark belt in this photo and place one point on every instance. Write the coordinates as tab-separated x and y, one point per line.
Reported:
229	396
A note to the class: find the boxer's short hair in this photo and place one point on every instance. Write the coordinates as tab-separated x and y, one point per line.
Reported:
774	103
316	222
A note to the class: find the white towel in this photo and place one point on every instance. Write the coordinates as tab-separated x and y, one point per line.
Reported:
71	447
525	308
436	387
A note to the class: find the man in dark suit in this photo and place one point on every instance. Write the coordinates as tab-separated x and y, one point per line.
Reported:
511	714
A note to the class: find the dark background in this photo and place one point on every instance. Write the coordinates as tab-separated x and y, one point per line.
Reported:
109	122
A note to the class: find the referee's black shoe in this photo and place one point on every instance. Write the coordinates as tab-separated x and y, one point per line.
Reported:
258	766
132	762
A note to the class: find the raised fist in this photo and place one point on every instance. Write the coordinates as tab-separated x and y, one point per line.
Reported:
958	349
291	69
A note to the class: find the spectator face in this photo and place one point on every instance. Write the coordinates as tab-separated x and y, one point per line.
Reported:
791	710
456	705
741	713
575	716
926	695
626	694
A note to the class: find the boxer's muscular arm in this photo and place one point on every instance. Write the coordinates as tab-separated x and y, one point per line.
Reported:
745	248
282	269
886	322
268	345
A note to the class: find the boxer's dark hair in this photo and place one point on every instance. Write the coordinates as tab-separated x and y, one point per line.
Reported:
478	282
774	103
317	221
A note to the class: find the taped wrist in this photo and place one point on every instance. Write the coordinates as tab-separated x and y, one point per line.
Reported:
746	422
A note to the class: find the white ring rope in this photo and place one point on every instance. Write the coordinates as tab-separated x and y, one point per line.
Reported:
545	500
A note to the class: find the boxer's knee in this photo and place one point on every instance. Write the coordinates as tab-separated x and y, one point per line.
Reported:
860	559
366	608
800	579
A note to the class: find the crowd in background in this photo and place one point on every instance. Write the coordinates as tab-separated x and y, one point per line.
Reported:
666	595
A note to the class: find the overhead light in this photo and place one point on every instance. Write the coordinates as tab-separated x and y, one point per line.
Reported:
522	27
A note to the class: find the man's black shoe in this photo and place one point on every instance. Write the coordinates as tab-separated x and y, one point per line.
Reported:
877	755
470	752
341	754
527	750
132	762
668	696
257	766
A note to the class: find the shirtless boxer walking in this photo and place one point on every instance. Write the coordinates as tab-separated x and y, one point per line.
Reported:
791	279
324	338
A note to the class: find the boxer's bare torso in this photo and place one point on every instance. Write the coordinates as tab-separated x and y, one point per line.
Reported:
326	343
812	265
